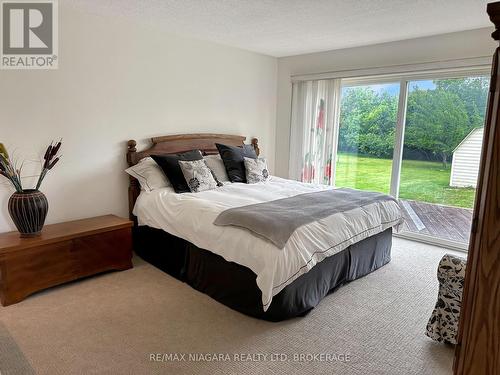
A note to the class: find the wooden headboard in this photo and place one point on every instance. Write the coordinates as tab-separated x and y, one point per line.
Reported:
171	144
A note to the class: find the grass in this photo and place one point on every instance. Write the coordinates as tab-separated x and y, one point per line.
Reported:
420	180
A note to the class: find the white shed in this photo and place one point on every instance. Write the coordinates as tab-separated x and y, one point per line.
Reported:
466	158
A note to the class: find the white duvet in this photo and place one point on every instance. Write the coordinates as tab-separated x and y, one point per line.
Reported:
191	215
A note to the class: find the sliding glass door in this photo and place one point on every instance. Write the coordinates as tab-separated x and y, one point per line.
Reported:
419	140
368	115
441	153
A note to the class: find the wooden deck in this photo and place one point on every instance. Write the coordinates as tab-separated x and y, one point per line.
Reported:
434	220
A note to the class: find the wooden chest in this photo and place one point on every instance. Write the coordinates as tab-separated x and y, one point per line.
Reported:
64	252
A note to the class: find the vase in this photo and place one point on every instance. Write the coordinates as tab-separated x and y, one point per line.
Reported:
28	210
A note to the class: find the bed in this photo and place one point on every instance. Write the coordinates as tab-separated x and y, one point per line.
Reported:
175	232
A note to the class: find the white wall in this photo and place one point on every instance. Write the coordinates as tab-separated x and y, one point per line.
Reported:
467	44
118	81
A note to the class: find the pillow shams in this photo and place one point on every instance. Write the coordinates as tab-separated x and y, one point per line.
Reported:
215	163
170	166
232	157
149	175
256	170
198	176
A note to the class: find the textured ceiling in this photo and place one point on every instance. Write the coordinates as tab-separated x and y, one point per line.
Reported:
292	27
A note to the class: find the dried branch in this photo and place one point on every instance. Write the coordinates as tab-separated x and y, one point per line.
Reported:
9	165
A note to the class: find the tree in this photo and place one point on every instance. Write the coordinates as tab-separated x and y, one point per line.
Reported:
473	92
436	121
367	122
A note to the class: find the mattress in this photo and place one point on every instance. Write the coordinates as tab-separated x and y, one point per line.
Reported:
190	216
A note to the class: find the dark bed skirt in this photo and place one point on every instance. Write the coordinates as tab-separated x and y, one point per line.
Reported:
234	285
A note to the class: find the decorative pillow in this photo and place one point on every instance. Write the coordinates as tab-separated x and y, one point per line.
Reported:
198	176
215	163
170	166
149	174
233	160
256	170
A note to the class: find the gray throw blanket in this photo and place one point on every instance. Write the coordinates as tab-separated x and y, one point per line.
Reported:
277	220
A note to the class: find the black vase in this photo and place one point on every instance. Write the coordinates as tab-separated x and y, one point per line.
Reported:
28	211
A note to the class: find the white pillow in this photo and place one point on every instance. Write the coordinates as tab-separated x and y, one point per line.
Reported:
256	170
215	163
149	175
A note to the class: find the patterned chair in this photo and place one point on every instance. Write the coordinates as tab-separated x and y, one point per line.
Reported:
443	324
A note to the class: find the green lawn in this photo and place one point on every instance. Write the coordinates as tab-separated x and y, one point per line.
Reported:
420	180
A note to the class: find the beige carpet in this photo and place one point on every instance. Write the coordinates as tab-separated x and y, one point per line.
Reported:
112	324
12	360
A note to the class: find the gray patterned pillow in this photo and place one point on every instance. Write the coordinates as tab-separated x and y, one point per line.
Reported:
198	176
256	170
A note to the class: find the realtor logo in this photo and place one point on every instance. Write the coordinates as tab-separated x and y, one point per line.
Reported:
29	34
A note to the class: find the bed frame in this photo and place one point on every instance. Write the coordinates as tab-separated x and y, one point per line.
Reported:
172	144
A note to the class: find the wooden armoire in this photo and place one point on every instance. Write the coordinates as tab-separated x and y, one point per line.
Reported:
478	349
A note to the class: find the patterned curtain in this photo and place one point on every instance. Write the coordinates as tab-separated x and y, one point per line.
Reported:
314	129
